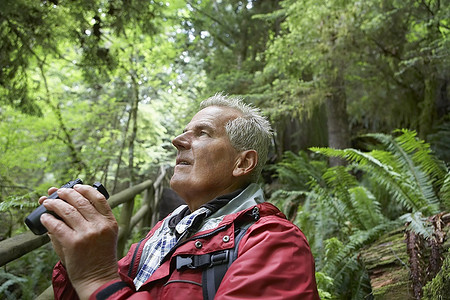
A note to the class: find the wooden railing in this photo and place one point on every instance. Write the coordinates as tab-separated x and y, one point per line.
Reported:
148	214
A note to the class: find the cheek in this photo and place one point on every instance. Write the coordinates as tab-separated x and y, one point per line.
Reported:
218	161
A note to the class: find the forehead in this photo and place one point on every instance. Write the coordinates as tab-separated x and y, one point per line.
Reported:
214	116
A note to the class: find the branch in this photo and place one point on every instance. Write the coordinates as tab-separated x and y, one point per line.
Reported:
228	45
17	187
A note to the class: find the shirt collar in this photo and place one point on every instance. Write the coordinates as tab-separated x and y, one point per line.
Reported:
211	207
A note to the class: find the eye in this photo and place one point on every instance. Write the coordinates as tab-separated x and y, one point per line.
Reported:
204	133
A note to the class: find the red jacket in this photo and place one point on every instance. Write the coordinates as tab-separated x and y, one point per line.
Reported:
274	262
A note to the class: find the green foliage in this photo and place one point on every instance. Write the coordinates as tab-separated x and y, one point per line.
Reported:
338	208
97	90
444	193
406	169
324	283
70	74
295	171
29	276
392	60
439	287
418	224
9	280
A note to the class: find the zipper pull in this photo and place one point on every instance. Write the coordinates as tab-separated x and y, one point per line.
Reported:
255	213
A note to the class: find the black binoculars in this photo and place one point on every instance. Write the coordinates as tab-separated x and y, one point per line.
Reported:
33	220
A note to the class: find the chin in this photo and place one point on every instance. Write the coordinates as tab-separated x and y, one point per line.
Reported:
177	184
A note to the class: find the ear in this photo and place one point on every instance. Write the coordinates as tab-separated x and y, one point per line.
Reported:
246	162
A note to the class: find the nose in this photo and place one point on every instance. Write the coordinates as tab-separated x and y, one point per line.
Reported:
181	141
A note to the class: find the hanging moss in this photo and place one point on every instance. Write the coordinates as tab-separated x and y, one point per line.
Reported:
439	287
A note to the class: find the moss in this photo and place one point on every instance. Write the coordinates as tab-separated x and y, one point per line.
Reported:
389	249
400	290
439	287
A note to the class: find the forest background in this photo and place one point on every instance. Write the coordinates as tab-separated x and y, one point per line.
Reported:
357	93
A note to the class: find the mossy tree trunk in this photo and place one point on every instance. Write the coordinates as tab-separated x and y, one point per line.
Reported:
401	262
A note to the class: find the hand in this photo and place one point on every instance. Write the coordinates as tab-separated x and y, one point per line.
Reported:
86	239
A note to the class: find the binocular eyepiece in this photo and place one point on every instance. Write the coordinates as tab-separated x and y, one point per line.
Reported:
33	220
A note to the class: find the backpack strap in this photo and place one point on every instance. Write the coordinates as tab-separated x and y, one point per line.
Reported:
212	276
216	264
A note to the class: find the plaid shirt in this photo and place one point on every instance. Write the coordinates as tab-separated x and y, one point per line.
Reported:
162	241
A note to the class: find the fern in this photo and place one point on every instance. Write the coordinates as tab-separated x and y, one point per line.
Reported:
417	160
19	202
341	260
418	224
6	281
295	171
340	183
421	154
444	193
367	208
287	199
340	213
400	186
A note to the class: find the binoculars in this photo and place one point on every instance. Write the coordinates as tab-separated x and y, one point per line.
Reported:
33	220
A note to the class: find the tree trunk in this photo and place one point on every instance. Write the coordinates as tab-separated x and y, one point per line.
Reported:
401	262
134	110
119	158
337	118
428	108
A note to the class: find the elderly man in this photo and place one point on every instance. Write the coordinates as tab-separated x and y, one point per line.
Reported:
226	243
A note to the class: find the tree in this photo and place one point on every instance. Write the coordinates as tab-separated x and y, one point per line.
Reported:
405	65
86	79
384	64
229	41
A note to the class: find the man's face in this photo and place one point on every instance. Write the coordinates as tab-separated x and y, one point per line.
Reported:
205	159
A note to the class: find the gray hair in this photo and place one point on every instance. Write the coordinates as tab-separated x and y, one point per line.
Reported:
251	131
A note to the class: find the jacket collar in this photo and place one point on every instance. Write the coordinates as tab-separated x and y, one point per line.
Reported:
213	206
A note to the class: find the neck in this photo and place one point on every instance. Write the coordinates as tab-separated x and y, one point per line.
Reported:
198	200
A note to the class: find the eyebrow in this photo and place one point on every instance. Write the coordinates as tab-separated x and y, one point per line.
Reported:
200	125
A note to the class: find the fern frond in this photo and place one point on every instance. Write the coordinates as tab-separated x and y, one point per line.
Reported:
401	187
416	160
418	224
8	280
19	202
319	218
295	171
421	154
367	208
339	181
444	193
285	199
333	205
358	240
341	261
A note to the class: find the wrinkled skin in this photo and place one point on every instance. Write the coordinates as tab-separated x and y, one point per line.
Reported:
86	238
207	165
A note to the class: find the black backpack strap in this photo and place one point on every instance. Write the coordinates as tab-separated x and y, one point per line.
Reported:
212	276
216	264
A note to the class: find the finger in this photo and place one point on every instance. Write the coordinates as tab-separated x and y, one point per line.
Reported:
49	191
95	197
42	199
52	190
83	205
69	214
55	226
